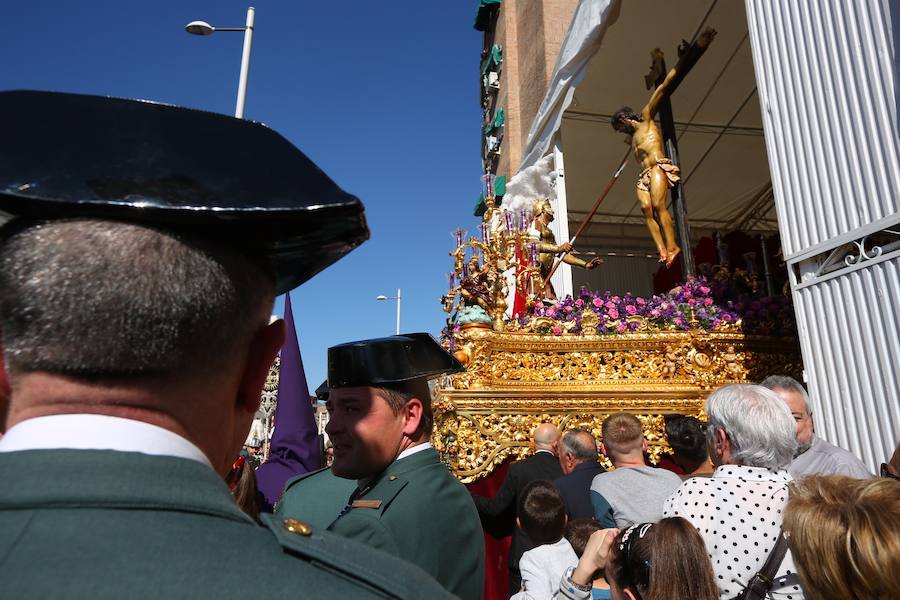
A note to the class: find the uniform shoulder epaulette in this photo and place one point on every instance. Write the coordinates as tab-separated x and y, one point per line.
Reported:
370	567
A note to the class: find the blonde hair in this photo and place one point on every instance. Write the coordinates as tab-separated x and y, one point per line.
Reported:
622	433
844	536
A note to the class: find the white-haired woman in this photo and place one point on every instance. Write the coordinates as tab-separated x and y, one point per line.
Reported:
738	511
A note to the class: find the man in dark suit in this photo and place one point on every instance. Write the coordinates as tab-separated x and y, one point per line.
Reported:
543	464
137	277
578	459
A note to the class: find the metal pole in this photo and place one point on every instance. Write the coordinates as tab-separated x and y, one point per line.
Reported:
398	311
245	65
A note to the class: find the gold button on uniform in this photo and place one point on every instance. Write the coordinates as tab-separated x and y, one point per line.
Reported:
392	477
295	526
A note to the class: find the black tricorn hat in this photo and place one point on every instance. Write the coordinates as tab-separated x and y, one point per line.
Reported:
389	362
73	156
323	391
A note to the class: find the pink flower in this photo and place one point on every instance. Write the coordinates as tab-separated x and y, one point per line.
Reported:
631	309
579	303
621	328
708	301
557	330
615	298
655	312
641	302
704	289
613	313
610	305
597	302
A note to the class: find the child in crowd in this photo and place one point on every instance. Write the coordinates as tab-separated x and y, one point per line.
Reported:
578	532
666	560
542	516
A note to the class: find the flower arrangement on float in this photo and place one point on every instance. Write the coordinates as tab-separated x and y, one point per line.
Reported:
696	304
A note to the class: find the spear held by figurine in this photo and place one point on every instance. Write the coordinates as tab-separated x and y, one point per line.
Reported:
590	216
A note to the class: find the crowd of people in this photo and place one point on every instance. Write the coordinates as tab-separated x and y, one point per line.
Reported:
136	284
754	516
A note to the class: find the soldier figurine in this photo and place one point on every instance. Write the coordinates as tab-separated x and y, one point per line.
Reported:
548	248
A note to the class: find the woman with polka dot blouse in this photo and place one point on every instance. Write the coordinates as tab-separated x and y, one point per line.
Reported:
738	511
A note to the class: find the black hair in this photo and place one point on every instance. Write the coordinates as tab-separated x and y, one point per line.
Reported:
687	437
626	112
542	512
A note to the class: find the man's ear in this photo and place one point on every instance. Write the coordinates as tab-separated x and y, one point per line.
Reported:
263	348
412	414
603	450
644	446
628	594
721	443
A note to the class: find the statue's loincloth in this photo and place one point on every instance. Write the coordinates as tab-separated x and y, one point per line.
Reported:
673	174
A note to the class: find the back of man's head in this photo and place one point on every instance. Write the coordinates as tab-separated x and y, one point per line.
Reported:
542	512
758	425
581	444
546	437
622	435
104	300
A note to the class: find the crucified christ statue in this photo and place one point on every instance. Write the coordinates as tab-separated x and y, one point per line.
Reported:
658	173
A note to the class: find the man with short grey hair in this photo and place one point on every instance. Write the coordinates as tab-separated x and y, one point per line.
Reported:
141	248
738	511
578	460
814	455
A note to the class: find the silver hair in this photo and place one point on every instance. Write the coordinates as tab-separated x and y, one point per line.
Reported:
787	383
104	299
758	424
572	442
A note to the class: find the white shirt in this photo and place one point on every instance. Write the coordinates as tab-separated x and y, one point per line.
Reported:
98	432
542	567
738	512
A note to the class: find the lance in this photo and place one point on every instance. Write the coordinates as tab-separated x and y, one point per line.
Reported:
590	216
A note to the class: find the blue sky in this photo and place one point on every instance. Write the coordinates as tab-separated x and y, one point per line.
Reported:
382	95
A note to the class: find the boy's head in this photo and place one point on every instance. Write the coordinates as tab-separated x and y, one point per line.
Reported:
542	513
578	531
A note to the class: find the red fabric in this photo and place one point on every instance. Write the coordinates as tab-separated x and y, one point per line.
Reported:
519	305
497	538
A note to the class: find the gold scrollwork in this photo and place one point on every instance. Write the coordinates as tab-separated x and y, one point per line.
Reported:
516	380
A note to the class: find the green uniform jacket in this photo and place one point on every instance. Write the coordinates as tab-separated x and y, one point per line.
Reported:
415	510
101	525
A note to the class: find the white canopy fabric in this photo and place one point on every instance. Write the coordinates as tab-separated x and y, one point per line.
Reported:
583	39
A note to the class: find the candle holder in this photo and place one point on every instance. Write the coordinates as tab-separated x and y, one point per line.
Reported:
478	290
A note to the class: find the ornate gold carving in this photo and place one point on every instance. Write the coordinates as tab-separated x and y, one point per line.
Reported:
516	380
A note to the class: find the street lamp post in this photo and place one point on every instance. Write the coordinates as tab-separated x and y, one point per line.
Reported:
204	28
397	298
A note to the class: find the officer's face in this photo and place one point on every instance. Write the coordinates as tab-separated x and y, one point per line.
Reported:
365	432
